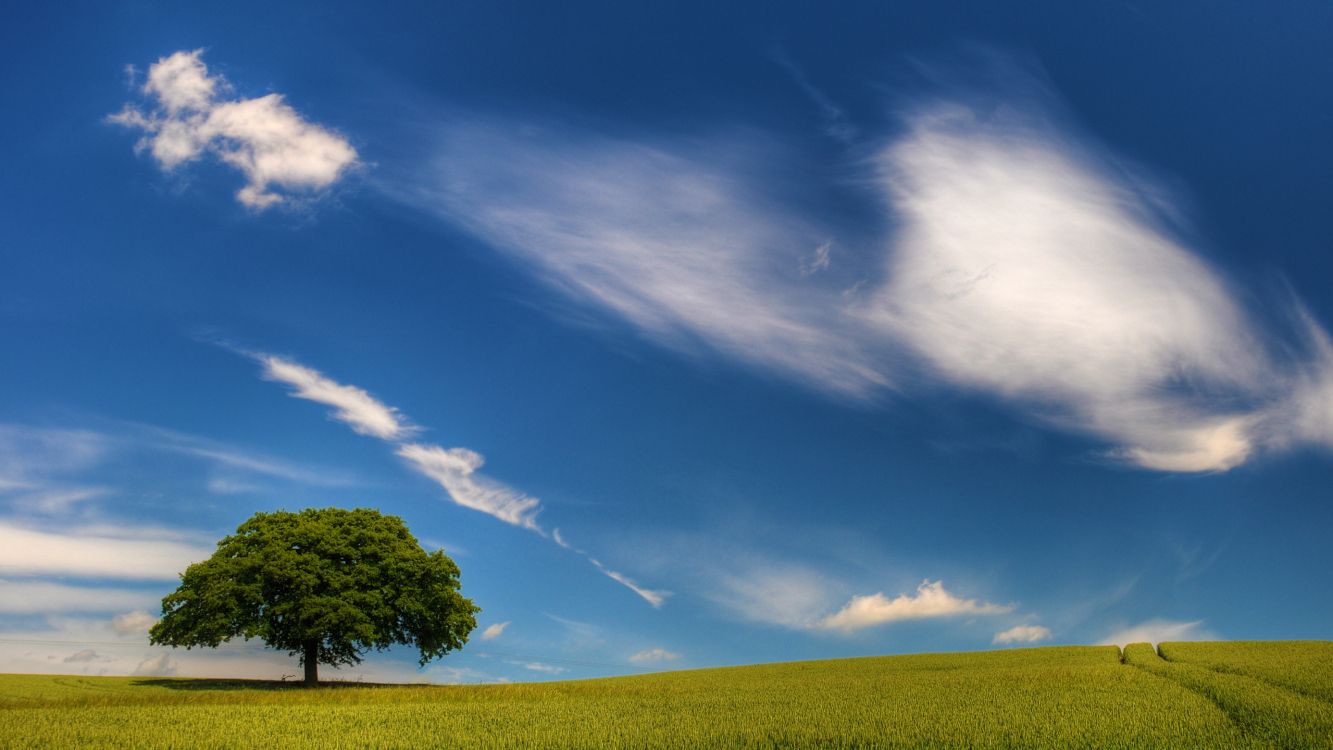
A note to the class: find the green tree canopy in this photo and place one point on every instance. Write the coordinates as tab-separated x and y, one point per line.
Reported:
324	584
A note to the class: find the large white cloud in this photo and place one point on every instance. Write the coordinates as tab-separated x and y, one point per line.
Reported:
1025	269
1020	261
128	553
264	138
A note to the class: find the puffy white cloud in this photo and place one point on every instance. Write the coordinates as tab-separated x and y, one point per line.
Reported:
494	630
264	137
1157	630
455	470
160	665
1022	634
83	657
930	600
654	656
352	406
181	82
133	623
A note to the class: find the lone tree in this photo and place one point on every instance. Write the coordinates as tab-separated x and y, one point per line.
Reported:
323	584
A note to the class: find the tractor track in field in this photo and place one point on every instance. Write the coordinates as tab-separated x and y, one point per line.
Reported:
1254	705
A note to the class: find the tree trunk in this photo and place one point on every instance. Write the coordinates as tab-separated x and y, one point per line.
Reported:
311	661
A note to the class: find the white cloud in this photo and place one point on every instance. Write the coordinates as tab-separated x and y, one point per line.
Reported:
537	666
770	592
161	665
1022	634
84	656
134	623
652	596
1022	264
819	262
1026	269
455	470
1157	630
102	552
931	600
352	406
494	630
653	656
264	138
56	500
559	539
30	597
30	455
666	236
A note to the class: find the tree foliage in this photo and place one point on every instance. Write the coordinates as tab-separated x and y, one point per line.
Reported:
323	584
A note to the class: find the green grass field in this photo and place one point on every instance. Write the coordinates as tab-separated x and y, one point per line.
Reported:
1248	695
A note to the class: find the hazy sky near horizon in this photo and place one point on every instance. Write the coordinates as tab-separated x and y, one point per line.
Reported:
696	335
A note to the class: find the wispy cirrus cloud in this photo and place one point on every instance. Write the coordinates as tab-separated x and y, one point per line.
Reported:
454	469
494	630
1022	261
674	238
30	456
930	600
264	138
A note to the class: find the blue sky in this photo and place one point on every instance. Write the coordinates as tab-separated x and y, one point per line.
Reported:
697	336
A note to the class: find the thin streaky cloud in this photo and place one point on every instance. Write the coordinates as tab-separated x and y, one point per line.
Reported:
455	469
652	596
352	406
43	597
125	553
